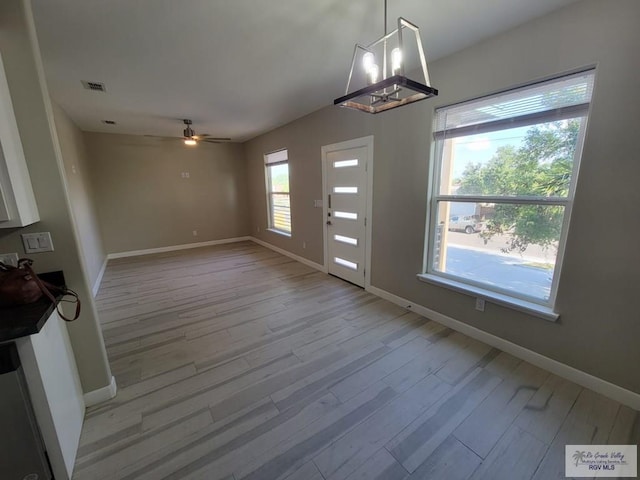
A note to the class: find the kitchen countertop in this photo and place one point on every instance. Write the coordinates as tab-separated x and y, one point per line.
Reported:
24	320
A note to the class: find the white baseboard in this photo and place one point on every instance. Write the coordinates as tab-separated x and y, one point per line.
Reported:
172	248
286	253
622	395
101	395
96	284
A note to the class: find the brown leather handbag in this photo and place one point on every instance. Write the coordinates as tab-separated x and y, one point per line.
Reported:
20	286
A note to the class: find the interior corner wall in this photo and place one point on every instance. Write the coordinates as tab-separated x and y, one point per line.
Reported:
599	325
156	192
33	111
76	170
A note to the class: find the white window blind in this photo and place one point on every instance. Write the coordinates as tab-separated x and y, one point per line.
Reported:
274	158
561	98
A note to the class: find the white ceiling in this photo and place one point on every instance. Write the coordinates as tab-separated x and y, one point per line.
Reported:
237	68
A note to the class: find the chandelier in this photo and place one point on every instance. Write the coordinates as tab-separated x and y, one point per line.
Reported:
386	86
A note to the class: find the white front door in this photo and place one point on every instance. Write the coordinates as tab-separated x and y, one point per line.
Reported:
346	199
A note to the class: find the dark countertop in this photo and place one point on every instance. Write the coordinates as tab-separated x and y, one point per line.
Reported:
24	320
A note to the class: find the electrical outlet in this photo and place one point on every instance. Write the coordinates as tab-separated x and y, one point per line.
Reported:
258	229
480	304
304	244
195	233
9	259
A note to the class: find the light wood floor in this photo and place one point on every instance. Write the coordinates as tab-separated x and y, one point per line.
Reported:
236	362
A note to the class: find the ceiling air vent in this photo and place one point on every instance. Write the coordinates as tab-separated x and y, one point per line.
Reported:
95	86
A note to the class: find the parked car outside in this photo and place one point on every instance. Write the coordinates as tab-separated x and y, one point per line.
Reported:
465	223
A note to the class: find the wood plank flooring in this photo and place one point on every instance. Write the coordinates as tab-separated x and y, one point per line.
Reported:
235	362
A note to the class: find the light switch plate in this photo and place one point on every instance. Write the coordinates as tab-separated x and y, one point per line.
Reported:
37	242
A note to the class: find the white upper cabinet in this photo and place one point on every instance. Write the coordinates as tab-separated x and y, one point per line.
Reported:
17	201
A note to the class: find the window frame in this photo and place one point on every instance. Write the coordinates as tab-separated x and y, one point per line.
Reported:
503	296
268	165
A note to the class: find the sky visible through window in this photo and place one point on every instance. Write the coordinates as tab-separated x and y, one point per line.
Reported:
481	148
280	178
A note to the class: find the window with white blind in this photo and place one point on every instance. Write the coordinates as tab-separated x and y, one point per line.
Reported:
504	177
278	196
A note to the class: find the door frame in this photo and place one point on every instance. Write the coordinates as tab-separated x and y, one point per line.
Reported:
326	149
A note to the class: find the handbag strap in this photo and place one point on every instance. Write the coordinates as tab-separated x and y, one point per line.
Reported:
26	264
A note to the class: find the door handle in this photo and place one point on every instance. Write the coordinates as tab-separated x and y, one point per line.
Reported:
329	222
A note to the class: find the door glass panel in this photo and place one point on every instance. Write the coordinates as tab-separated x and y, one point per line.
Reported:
346	263
346	163
347	215
345	189
347	240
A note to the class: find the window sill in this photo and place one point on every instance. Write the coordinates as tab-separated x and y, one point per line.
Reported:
279	232
540	311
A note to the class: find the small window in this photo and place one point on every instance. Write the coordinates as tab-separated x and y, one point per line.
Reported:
278	196
504	178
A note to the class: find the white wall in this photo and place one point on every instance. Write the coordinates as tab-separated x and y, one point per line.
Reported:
34	117
76	169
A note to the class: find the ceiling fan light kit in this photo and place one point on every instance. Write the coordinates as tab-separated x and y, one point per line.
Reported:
394	89
190	138
189	133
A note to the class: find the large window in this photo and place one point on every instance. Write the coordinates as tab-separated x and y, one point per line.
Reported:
278	198
503	185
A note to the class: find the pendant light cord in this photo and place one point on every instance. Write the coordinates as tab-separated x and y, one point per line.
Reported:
385	18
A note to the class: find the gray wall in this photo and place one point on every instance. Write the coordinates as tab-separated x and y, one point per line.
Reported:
34	118
303	139
143	202
599	327
80	192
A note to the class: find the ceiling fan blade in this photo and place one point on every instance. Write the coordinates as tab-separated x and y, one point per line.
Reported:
163	138
205	137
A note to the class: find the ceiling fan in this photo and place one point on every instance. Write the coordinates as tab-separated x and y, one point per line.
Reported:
190	137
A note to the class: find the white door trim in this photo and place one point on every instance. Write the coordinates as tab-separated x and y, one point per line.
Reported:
326	149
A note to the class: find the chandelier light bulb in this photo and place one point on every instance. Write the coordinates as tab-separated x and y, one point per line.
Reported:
373	73
396	60
368	61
